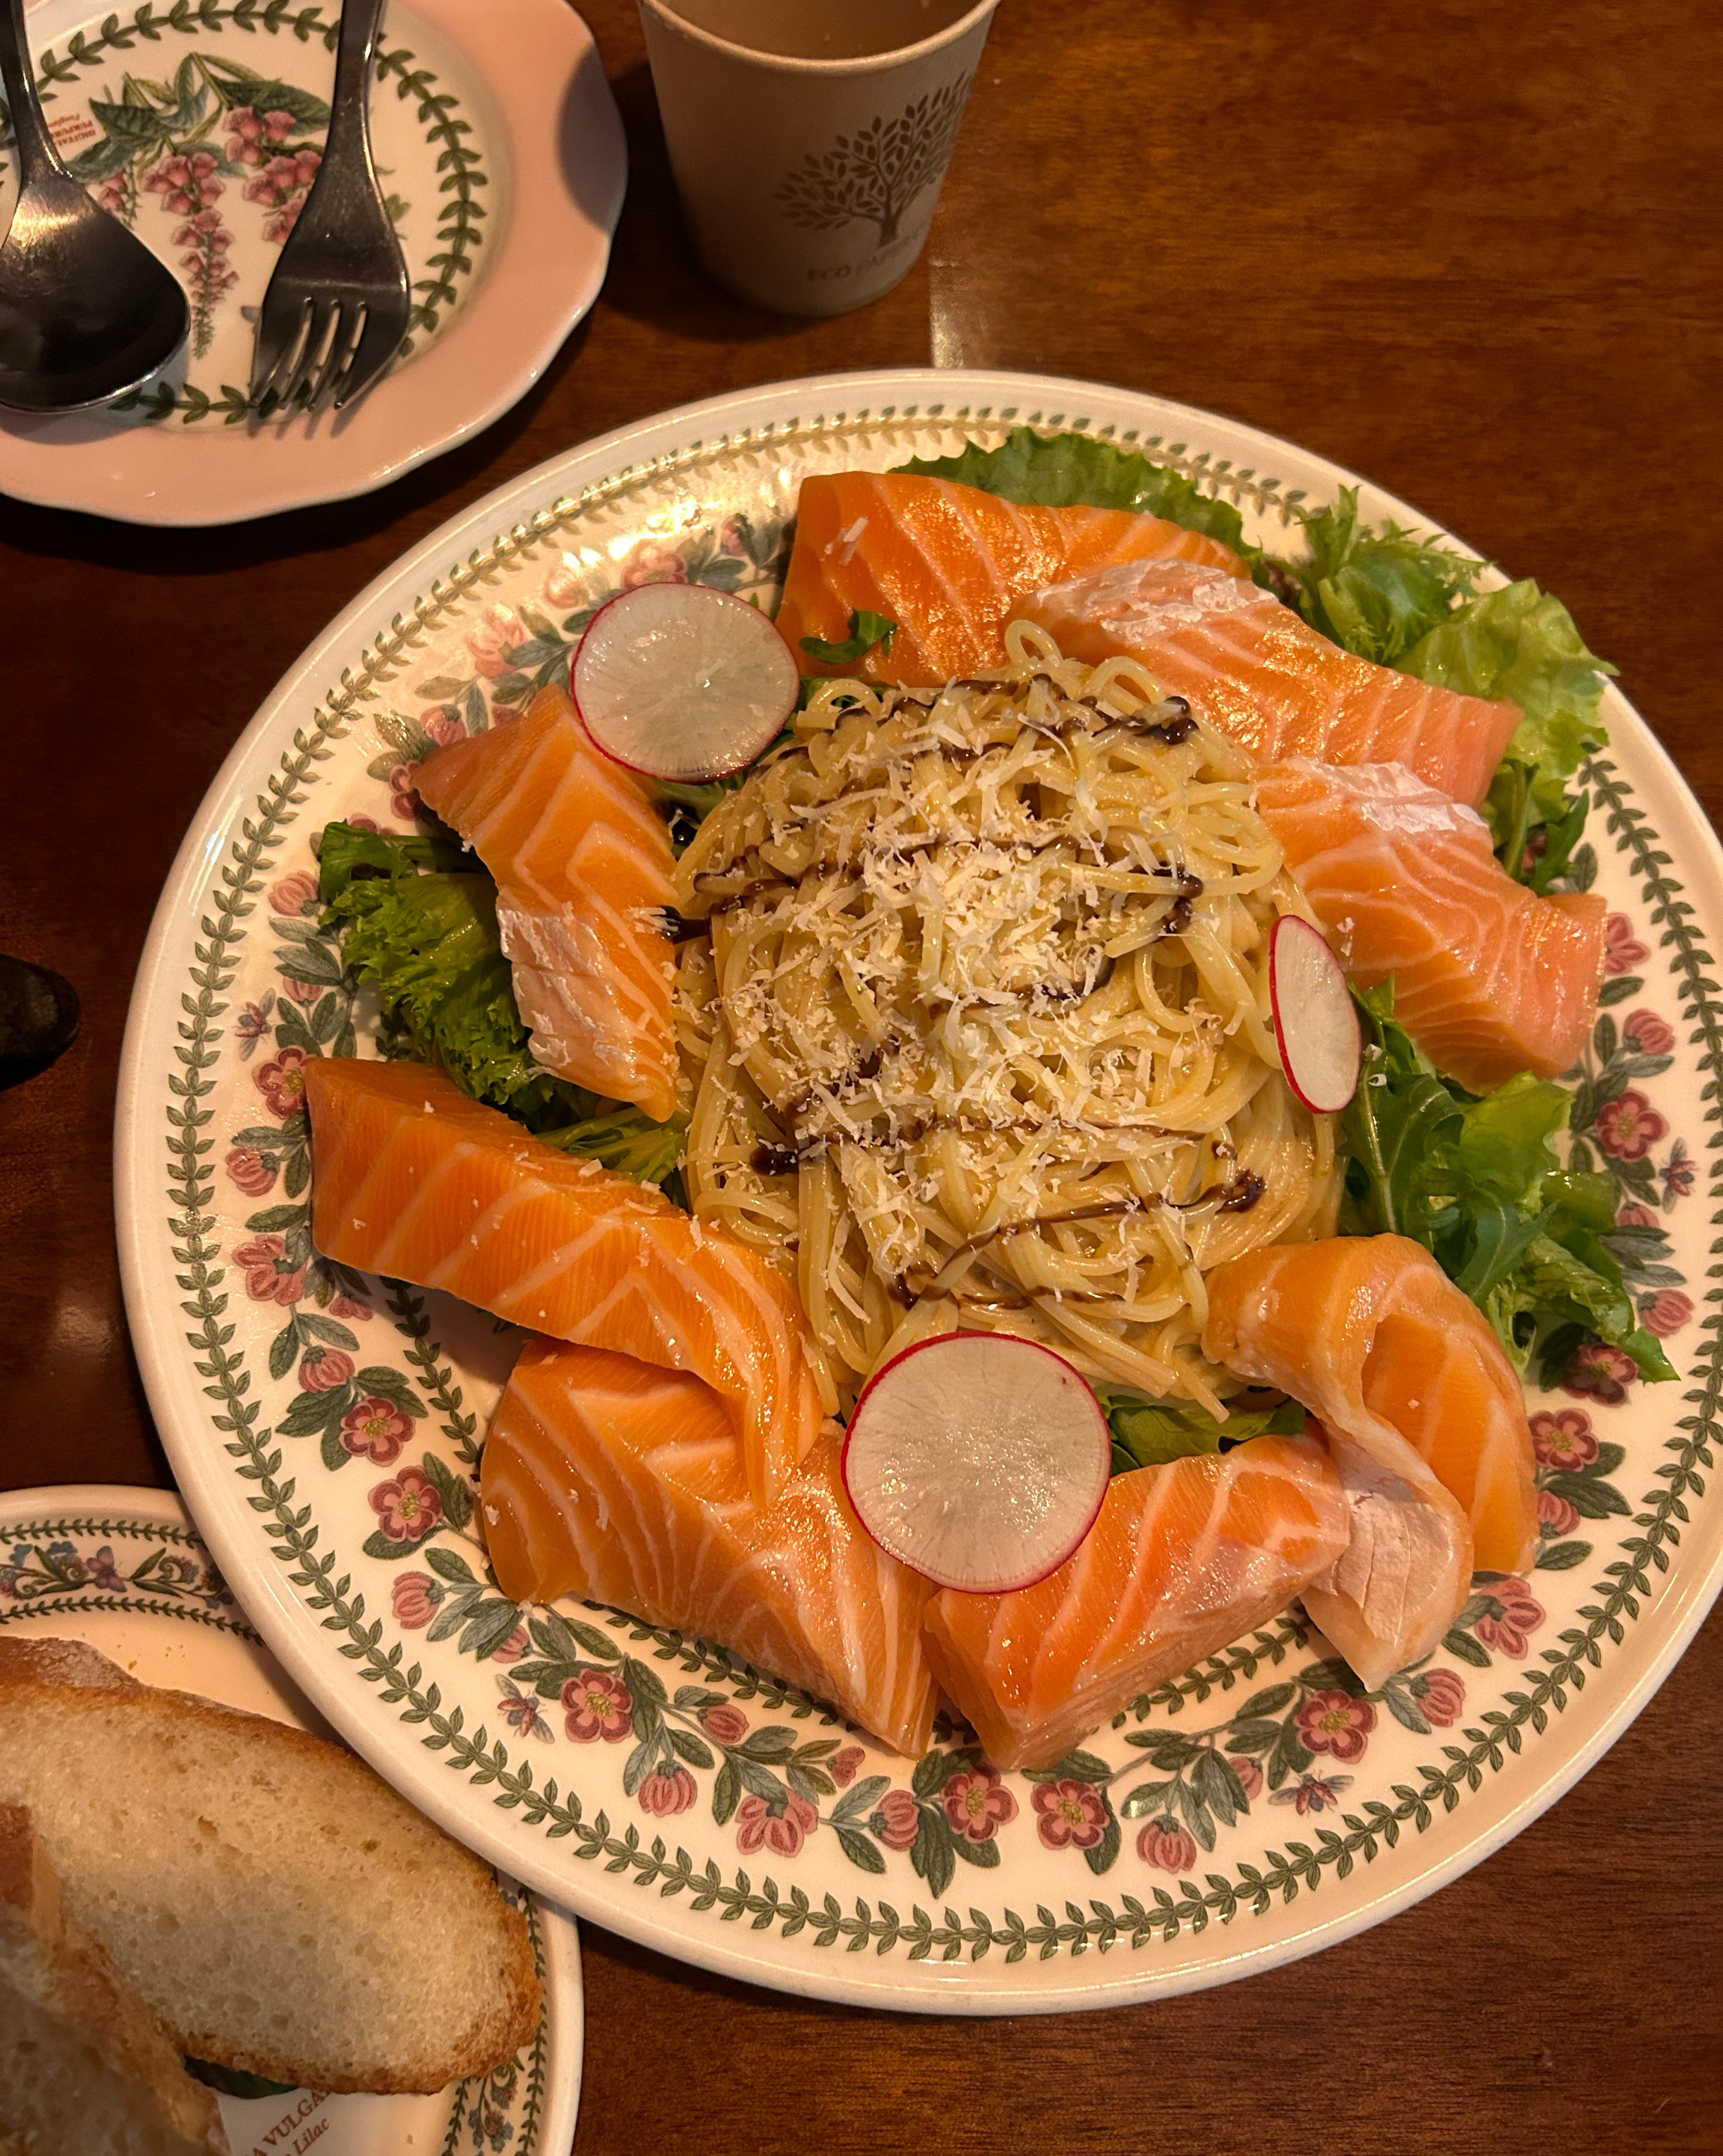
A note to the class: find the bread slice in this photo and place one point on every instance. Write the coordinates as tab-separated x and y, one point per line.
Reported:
281	1909
57	1661
85	2068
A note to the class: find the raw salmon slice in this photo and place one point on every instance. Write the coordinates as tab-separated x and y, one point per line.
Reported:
413	1180
949	564
1252	668
1370	1327
1426	1415
583	870
1181	1559
607	1479
1489	977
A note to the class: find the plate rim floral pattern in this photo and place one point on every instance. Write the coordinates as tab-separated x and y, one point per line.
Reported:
163	1572
947	1965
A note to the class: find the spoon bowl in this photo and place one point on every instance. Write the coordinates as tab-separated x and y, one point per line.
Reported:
87	312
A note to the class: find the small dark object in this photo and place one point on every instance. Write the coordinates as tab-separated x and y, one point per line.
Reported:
775	1160
38	1017
1243	1192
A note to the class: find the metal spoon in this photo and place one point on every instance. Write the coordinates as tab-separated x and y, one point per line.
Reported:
86	311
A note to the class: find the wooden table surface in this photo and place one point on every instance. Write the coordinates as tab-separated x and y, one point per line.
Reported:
1468	250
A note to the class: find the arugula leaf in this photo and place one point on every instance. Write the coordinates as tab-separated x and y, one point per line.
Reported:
1064	470
865	631
1479	1183
430	942
1374	593
1520	645
1150	1433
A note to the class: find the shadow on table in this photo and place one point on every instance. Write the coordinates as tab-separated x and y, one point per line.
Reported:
655	277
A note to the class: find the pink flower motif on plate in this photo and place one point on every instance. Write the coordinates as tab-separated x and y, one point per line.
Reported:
498	632
416	1597
304	993
1073	1814
346	1305
651	563
727	1723
783	1834
1441	1694
1563	1438
1522	1612
324	1370
599	1705
1250	1775
733	538
1555	1513
1635	1216
408	1507
978	1805
665	1792
260	1260
247	1167
1621	950
1335	1723
374	1429
403	800
565	586
1647	1032
282	1082
1599	1371
1167	1845
897	1819
844	1764
1628	1125
1666	1313
513	1647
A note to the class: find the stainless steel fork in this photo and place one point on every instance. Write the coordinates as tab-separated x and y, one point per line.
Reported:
339	303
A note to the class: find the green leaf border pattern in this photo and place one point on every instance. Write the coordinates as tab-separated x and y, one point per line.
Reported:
325	1587
459	219
165	1535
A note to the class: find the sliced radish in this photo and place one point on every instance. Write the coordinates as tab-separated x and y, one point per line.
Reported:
679	681
980	1460
1315	1019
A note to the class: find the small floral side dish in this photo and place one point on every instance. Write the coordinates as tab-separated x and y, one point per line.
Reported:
124	1570
328	1427
202	128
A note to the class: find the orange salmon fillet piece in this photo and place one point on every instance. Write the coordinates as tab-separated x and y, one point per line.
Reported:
1181	1559
583	869
623	1483
950	565
1369	1327
1489	977
413	1180
1252	668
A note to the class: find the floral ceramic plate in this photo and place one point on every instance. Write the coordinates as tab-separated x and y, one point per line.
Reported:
325	1427
124	1570
201	123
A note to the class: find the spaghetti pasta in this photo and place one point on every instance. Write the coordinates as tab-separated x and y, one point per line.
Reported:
980	1033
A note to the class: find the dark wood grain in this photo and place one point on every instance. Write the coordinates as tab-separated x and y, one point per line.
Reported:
1471	250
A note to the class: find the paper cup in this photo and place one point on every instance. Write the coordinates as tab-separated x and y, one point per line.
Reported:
809	137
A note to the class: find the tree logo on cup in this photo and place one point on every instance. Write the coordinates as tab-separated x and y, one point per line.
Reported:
877	173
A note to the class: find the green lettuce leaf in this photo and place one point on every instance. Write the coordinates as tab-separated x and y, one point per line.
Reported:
1150	1433
1479	1183
429	938
1520	645
347	851
1378	594
865	631
1064	470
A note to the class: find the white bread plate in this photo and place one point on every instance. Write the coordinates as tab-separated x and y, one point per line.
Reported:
124	1571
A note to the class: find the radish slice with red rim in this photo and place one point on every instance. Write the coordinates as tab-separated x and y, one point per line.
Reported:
979	1460
1315	1020
682	682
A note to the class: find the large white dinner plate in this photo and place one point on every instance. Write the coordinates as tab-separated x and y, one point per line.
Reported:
124	1571
502	156
773	1843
